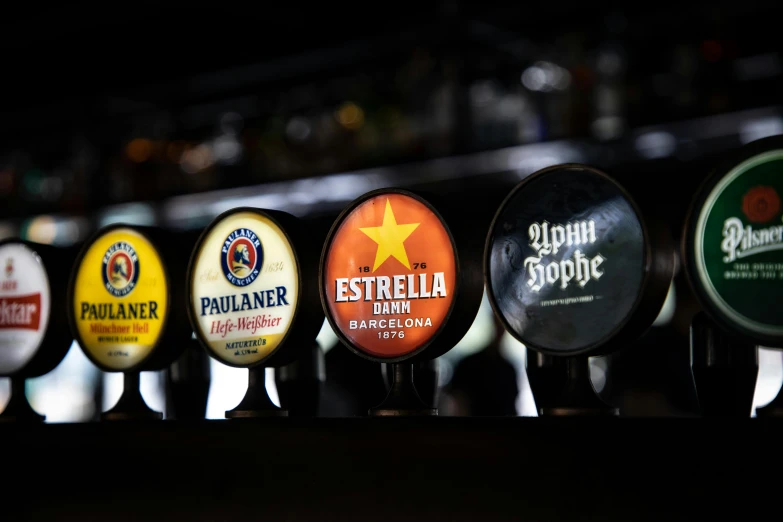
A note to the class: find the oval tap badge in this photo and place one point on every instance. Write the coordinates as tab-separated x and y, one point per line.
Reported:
388	275
244	288
734	243
25	303
565	260
120	299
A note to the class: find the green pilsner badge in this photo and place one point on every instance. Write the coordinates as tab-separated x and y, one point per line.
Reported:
734	243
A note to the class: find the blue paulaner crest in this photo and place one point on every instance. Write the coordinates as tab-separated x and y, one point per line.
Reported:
242	257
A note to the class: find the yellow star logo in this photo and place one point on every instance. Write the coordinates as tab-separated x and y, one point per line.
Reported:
390	237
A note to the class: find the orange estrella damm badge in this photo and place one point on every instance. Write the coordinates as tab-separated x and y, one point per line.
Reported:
389	275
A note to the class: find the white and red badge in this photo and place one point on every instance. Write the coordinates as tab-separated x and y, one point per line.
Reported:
25	301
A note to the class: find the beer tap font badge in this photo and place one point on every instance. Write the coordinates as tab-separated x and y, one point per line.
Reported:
25	303
566	260
737	245
244	288
120	299
389	275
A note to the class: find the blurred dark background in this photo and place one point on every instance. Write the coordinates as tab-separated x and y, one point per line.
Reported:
152	103
168	115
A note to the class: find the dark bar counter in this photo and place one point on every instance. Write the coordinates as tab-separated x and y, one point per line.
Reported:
392	469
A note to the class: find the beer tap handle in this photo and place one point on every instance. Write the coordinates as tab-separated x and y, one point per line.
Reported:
18	408
561	386
131	405
403	399
725	370
256	402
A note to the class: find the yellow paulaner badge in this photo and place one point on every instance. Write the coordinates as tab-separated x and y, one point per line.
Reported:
120	299
244	288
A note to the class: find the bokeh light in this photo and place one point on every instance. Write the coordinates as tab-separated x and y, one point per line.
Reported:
139	150
350	116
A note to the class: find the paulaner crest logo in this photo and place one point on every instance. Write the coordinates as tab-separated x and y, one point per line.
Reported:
242	257
120	269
